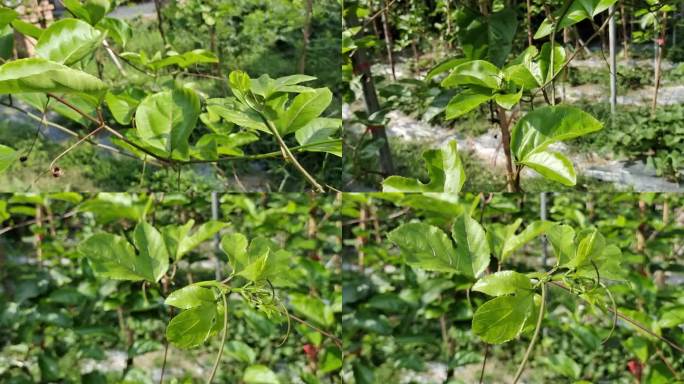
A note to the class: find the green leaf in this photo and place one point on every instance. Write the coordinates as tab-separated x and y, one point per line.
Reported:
590	245
576	12
267	87
7	15
84	104
503	283
27	29
544	73
313	309
445	171
240	351
7	157
477	72
235	246
113	257
117	29
502	319
535	229
259	374
201	234
498	235
316	135
544	126
91	11
190	297
444	66
6	42
471	244
330	360
165	120
303	109
67	41
508	100
122	105
192	327
501	28
466	101
562	239
186	59
553	166
40	75
152	251
428	247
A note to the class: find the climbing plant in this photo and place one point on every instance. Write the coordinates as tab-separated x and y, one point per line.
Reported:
171	123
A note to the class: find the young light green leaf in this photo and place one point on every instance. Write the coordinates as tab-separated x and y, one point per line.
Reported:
471	244
562	239
26	28
267	87
304	108
445	171
201	234
553	166
428	247
186	59
502	319
67	41
235	246
590	245
444	66
165	121
191	296
508	100
503	283
7	157
117	29
316	135
477	72
40	75
466	101
152	251
498	235
91	11
535	229
259	374
577	11
7	15
192	327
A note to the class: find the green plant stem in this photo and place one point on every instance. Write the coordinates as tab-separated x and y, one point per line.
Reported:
627	319
223	337
521	368
288	154
284	150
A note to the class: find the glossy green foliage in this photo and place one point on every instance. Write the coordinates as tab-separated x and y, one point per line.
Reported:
445	171
537	130
67	41
502	318
40	75
91	11
165	120
576	11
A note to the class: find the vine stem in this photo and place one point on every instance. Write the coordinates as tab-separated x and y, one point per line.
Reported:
521	368
223	338
626	318
288	154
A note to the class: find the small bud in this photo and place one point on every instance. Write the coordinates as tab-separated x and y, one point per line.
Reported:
56	172
23	159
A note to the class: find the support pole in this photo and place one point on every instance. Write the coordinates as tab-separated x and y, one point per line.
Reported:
217	237
613	64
